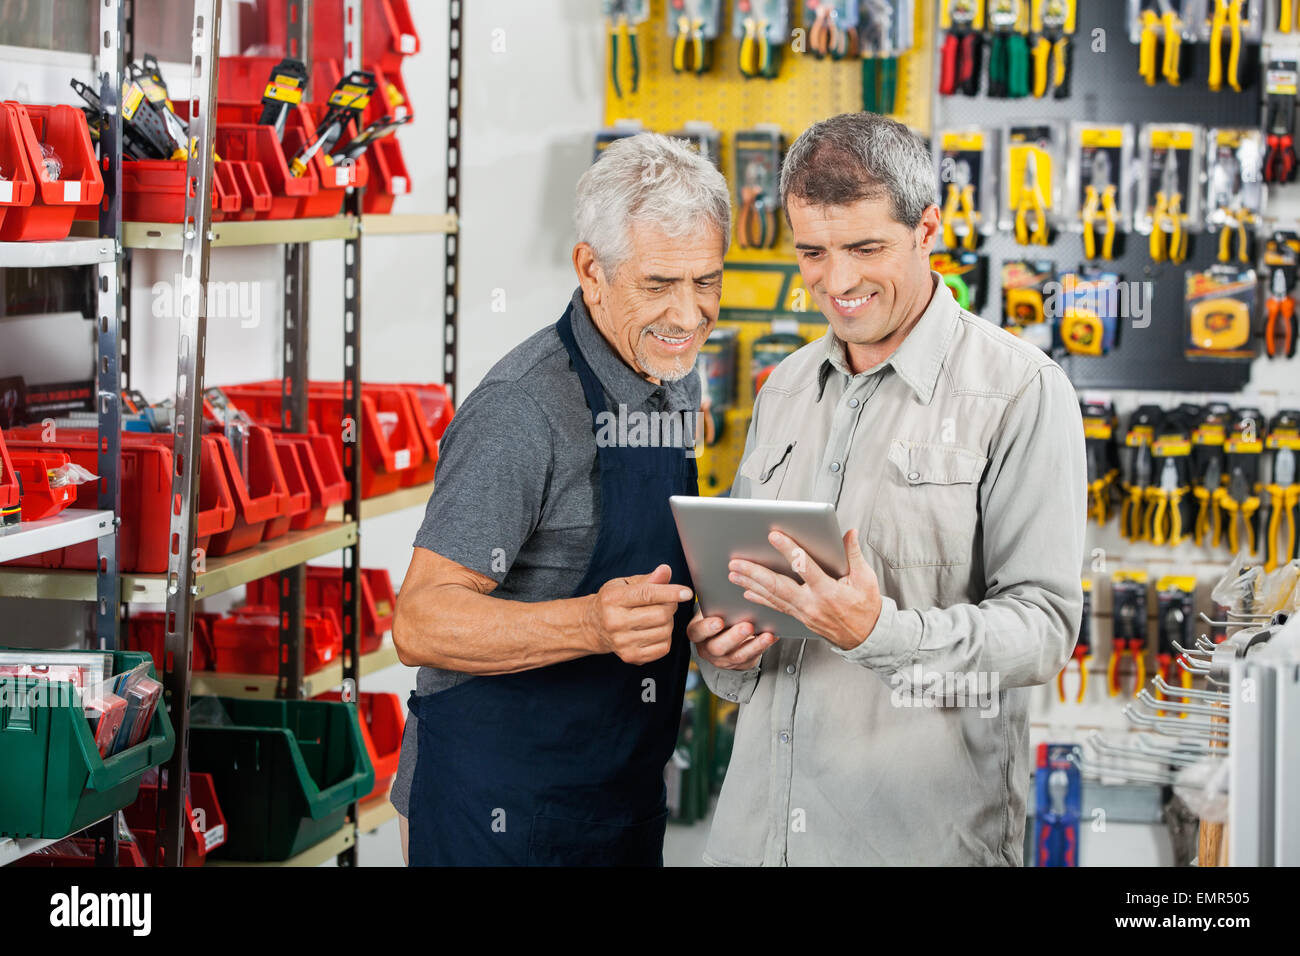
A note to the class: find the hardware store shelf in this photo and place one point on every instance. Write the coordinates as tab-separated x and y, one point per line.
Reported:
262	232
262	686
222	573
11	849
56	252
375	813
416	495
69	527
322	852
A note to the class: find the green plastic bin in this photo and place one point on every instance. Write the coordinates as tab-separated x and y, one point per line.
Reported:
53	781
285	772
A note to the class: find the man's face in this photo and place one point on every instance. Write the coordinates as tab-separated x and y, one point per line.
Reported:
868	273
662	303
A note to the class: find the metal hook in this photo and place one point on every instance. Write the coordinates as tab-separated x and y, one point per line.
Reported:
1165	687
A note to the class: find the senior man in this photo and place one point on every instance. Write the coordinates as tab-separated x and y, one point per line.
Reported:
953	453
547	598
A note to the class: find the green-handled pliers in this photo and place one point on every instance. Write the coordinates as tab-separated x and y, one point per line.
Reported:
879	64
620	26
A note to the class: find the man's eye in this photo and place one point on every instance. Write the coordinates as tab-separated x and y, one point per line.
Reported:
654	289
811	254
867	250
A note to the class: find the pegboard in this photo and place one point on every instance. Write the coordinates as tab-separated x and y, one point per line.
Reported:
805	91
1106	88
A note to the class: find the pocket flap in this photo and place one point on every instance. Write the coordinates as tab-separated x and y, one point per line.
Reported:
923	463
763	462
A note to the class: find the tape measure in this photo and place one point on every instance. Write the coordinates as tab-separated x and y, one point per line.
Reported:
1082	332
1220	324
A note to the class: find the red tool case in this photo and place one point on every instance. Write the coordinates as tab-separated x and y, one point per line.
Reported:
55	201
146	497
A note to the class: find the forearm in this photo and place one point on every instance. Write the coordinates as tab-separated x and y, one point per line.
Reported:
457	628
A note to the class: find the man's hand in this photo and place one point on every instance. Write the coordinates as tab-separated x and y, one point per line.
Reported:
633	617
733	649
843	611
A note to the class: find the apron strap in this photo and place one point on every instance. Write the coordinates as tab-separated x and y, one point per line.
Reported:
591	387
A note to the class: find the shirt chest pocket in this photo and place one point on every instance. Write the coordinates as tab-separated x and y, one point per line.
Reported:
927	505
765	468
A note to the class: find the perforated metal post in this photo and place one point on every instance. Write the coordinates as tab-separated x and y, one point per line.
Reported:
293	395
350	613
451	296
193	329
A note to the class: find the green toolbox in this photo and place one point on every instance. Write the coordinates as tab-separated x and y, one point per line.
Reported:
285	771
54	781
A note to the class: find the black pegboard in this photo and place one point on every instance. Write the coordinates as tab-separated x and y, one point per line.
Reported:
1107	88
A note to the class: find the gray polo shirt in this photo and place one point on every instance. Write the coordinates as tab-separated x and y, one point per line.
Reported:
517	490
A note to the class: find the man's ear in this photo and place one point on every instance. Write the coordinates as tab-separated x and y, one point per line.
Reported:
590	275
927	231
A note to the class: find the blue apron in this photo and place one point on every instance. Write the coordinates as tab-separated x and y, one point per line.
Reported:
564	765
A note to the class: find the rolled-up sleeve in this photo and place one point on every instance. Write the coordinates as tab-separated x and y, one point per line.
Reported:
1032	507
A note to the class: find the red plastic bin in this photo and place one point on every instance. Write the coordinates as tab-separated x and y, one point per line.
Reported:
387	452
259	500
324	472
147	631
383	720
153	190
247	641
146	498
227	200
387	29
391	178
19	188
254	190
290	455
40	498
10	496
432	408
207	824
324	595
54	204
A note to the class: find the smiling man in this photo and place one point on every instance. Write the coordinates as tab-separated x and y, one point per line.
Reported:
953	453
547	598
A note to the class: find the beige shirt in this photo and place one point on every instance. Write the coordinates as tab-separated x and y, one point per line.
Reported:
960	460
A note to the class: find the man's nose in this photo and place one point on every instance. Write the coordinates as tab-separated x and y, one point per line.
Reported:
842	276
683	309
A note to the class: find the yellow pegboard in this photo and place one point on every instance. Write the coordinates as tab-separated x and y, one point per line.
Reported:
807	90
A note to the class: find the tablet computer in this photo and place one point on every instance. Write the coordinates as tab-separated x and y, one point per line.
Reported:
715	530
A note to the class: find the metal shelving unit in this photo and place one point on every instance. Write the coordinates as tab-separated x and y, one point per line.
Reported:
187	581
70	527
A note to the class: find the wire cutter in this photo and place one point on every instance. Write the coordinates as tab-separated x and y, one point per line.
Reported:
1279	154
1099	197
1099	482
959	209
1009	53
620	27
1168	216
1052	47
1165	507
1239	498
1279	330
879	64
959	60
756	50
757	220
826	36
1082	654
1207	495
1236	223
1130	514
1227	16
1173	27
1029	199
1173	627
690	53
1284	494
1134	644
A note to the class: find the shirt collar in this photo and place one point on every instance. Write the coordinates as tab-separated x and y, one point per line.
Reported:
918	359
620	382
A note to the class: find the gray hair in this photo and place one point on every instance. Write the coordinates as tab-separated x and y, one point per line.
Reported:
650	180
857	156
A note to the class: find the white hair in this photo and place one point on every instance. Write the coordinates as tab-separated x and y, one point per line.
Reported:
648	180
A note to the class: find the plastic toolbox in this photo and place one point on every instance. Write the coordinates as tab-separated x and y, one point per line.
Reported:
247	641
207	825
285	772
260	496
19	187
78	852
383	721
10	492
146	497
432	407
54	781
56	198
40	498
324	595
391	443
146	631
153	190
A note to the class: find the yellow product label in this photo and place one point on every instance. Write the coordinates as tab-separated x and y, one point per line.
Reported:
1087	584
967	141
1097	428
1181	139
284	92
1169	447
1108	136
974	10
1185	583
1286	439
132	97
1208	435
1139	435
152	90
357	97
1236	445
1230	138
1137	577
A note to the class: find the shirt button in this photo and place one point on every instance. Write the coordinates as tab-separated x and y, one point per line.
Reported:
835	466
914	476
785	738
789	669
854	403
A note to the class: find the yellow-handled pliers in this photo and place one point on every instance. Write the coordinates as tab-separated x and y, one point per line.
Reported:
1207	496
1235	24
1165	508
1099	202
1173	27
1134	494
1150	39
1236	222
689	52
1029	200
1284	19
1284	495
1218	23
1167	220
959	208
755	49
1239	498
